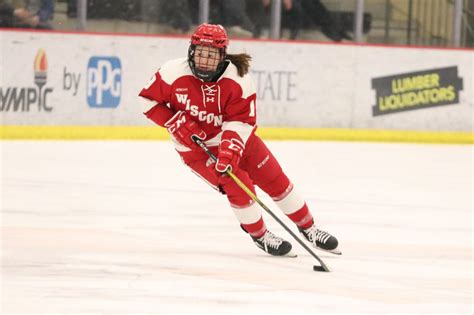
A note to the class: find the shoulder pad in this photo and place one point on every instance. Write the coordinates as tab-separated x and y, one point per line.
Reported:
174	69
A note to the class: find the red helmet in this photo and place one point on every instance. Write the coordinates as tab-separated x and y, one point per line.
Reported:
213	35
210	35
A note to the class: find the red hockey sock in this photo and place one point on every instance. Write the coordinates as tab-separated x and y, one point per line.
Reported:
302	218
256	229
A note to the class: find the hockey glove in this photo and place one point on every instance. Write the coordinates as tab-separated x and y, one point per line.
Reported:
230	151
182	127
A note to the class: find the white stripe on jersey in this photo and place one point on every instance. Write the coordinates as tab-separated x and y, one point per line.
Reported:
242	129
174	69
245	82
146	104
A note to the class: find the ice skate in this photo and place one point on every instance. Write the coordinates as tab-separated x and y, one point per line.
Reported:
274	245
321	239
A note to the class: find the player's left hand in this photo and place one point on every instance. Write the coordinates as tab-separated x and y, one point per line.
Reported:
230	152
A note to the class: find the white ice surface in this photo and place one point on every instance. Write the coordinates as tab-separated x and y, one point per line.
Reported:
124	227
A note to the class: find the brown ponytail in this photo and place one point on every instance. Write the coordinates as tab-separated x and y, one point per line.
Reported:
241	61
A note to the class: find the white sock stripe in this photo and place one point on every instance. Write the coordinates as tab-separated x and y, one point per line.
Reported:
284	194
305	220
234	206
291	203
259	232
248	215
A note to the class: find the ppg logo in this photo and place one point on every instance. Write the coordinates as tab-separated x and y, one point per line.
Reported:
104	81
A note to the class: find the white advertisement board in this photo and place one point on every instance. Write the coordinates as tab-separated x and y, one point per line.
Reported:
69	79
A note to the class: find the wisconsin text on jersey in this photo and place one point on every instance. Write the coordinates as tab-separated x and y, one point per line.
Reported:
209	96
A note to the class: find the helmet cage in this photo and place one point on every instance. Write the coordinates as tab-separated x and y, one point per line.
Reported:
205	75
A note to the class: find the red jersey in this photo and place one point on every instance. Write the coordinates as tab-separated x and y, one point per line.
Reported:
228	104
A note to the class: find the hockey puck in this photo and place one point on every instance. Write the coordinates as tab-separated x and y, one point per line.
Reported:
319	268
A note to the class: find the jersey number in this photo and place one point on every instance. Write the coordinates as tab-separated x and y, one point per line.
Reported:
252	109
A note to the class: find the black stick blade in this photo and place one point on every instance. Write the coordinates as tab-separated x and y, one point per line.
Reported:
320	268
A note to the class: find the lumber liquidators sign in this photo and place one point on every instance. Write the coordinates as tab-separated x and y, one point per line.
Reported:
416	90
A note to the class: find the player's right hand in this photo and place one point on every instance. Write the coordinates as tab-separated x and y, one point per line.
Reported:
182	127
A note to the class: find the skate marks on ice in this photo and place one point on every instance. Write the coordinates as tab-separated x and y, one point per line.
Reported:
106	232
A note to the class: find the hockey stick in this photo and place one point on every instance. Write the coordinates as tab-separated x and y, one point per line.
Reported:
203	146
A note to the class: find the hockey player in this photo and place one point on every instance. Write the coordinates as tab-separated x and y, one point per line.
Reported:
210	94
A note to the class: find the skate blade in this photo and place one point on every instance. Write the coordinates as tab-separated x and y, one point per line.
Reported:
334	251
